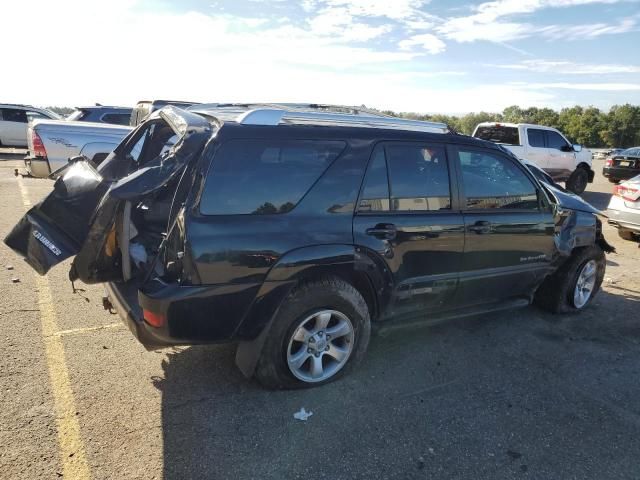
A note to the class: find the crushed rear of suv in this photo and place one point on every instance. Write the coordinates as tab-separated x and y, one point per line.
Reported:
293	230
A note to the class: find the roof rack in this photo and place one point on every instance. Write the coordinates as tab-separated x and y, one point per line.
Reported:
277	116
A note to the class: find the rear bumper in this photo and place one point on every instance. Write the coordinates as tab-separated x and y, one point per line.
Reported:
193	314
37	167
131	315
626	220
620	173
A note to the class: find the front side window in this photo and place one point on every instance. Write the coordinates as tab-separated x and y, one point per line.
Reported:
555	140
418	177
14	115
492	181
536	137
264	176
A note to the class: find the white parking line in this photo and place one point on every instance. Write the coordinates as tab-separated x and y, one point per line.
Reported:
72	451
78	331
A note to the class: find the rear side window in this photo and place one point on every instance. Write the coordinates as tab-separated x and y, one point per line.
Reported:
264	176
419	177
495	182
116	118
14	115
375	193
536	137
555	140
499	134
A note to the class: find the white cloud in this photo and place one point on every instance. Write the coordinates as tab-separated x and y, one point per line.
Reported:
489	22
568	68
426	41
393	9
599	87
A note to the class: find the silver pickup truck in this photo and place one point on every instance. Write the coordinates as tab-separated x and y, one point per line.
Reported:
53	142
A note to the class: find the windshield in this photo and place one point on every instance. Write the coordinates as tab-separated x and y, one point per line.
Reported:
498	134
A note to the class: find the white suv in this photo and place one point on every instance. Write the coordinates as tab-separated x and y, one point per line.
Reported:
545	147
14	120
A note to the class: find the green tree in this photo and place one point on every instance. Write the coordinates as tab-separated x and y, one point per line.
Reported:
622	126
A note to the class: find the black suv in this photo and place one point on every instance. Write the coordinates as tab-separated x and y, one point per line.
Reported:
292	231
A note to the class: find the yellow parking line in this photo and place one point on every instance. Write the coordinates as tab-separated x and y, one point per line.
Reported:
72	451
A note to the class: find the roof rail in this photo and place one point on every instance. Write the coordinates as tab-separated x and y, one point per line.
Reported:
359	118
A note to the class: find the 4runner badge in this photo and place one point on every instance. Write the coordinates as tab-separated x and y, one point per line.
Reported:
47	243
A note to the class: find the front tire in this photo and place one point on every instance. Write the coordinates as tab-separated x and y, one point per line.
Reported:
572	287
578	181
320	333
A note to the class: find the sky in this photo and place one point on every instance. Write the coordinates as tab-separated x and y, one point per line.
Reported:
405	55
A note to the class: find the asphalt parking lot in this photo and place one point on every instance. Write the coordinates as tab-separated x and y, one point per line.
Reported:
521	394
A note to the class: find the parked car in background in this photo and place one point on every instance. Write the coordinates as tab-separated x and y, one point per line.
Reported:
146	107
290	231
622	165
102	114
624	209
52	143
546	147
14	120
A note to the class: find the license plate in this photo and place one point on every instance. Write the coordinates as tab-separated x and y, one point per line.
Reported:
625	164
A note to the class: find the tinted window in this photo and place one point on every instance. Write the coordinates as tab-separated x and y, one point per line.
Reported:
499	134
418	177
555	140
492	181
13	115
264	177
116	118
375	193
536	137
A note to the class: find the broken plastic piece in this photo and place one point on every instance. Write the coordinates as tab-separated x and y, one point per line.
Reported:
302	415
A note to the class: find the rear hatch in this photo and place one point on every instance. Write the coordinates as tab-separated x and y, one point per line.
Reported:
89	212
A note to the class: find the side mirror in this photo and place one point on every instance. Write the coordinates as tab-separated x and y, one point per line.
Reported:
577	148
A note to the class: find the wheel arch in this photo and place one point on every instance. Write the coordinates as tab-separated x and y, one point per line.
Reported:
352	264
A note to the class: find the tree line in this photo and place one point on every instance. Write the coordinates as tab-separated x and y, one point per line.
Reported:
589	126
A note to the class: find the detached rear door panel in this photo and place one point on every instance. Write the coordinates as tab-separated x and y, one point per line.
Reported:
508	231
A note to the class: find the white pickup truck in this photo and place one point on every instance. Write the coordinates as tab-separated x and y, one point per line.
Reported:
52	143
545	147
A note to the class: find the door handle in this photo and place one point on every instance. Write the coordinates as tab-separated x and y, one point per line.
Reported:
386	231
480	227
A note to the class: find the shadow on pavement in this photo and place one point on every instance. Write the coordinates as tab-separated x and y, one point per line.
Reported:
519	394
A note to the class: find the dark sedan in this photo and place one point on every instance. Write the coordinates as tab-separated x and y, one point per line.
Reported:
623	165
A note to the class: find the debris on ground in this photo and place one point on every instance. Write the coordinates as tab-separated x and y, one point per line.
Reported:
15	280
9	267
302	415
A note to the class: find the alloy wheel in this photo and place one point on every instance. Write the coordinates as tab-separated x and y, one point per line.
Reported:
320	346
585	284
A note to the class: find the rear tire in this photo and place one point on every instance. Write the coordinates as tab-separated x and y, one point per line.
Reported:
288	359
627	235
578	181
614	180
557	293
